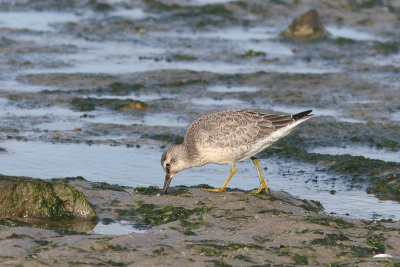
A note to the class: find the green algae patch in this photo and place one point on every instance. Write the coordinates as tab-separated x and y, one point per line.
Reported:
219	248
149	215
376	241
330	240
331	222
300	259
22	197
167	138
150	190
382	178
91	103
106	186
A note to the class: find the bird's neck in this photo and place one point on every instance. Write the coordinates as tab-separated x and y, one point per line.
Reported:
189	157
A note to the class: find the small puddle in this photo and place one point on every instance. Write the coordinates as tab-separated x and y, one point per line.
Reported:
13	111
233	89
267	47
231	34
316	112
163	119
205	101
136	96
10	86
140	166
36	21
365	151
116	228
353	34
60	125
135	13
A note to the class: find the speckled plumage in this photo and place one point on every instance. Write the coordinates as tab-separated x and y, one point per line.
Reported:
228	136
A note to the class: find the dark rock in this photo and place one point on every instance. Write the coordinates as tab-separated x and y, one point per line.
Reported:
305	27
22	197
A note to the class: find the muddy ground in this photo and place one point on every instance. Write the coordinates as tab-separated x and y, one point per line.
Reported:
193	227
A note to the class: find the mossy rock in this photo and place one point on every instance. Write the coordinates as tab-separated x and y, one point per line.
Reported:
305	27
22	197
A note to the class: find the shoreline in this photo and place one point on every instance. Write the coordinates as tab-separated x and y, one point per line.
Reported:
190	226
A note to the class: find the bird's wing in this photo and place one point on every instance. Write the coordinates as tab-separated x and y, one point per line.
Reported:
235	127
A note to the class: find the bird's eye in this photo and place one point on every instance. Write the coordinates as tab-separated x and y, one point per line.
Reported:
167	165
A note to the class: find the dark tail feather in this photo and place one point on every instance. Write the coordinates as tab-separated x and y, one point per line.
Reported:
301	115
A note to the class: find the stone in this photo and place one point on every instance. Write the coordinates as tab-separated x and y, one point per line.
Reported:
306	27
23	197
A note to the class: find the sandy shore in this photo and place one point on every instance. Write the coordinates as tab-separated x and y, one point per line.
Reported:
193	227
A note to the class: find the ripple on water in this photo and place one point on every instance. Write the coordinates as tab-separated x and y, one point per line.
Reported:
141	167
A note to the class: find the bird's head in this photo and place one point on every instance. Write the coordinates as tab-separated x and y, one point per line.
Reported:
173	160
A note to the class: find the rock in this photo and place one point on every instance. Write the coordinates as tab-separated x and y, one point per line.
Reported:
305	27
22	197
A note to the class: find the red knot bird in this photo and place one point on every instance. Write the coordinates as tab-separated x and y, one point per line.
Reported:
226	137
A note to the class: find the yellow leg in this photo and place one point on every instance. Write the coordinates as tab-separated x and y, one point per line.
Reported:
222	188
262	181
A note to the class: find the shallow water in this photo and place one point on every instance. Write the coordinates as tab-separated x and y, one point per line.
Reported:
354	34
141	167
233	89
365	151
35	21
116	228
217	102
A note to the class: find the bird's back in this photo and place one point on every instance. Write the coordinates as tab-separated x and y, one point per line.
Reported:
232	135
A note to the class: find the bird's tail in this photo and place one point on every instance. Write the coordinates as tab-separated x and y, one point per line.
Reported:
304	114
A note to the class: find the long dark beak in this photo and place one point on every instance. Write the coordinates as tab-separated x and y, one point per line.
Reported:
168	179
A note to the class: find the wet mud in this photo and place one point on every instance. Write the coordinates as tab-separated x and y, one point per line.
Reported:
189	226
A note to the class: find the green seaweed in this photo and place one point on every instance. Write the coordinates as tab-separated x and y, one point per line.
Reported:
17	236
330	239
252	53
219	263
331	222
376	241
218	248
188	226
244	258
149	215
150	190
179	191
167	138
300	259
181	57
383	177
106	186
91	103
274	212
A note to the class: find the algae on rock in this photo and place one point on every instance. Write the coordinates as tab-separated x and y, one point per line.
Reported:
23	197
306	27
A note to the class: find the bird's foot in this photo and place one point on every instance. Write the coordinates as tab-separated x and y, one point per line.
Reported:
216	190
257	191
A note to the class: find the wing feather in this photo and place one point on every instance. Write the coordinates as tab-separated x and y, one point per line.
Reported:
231	128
